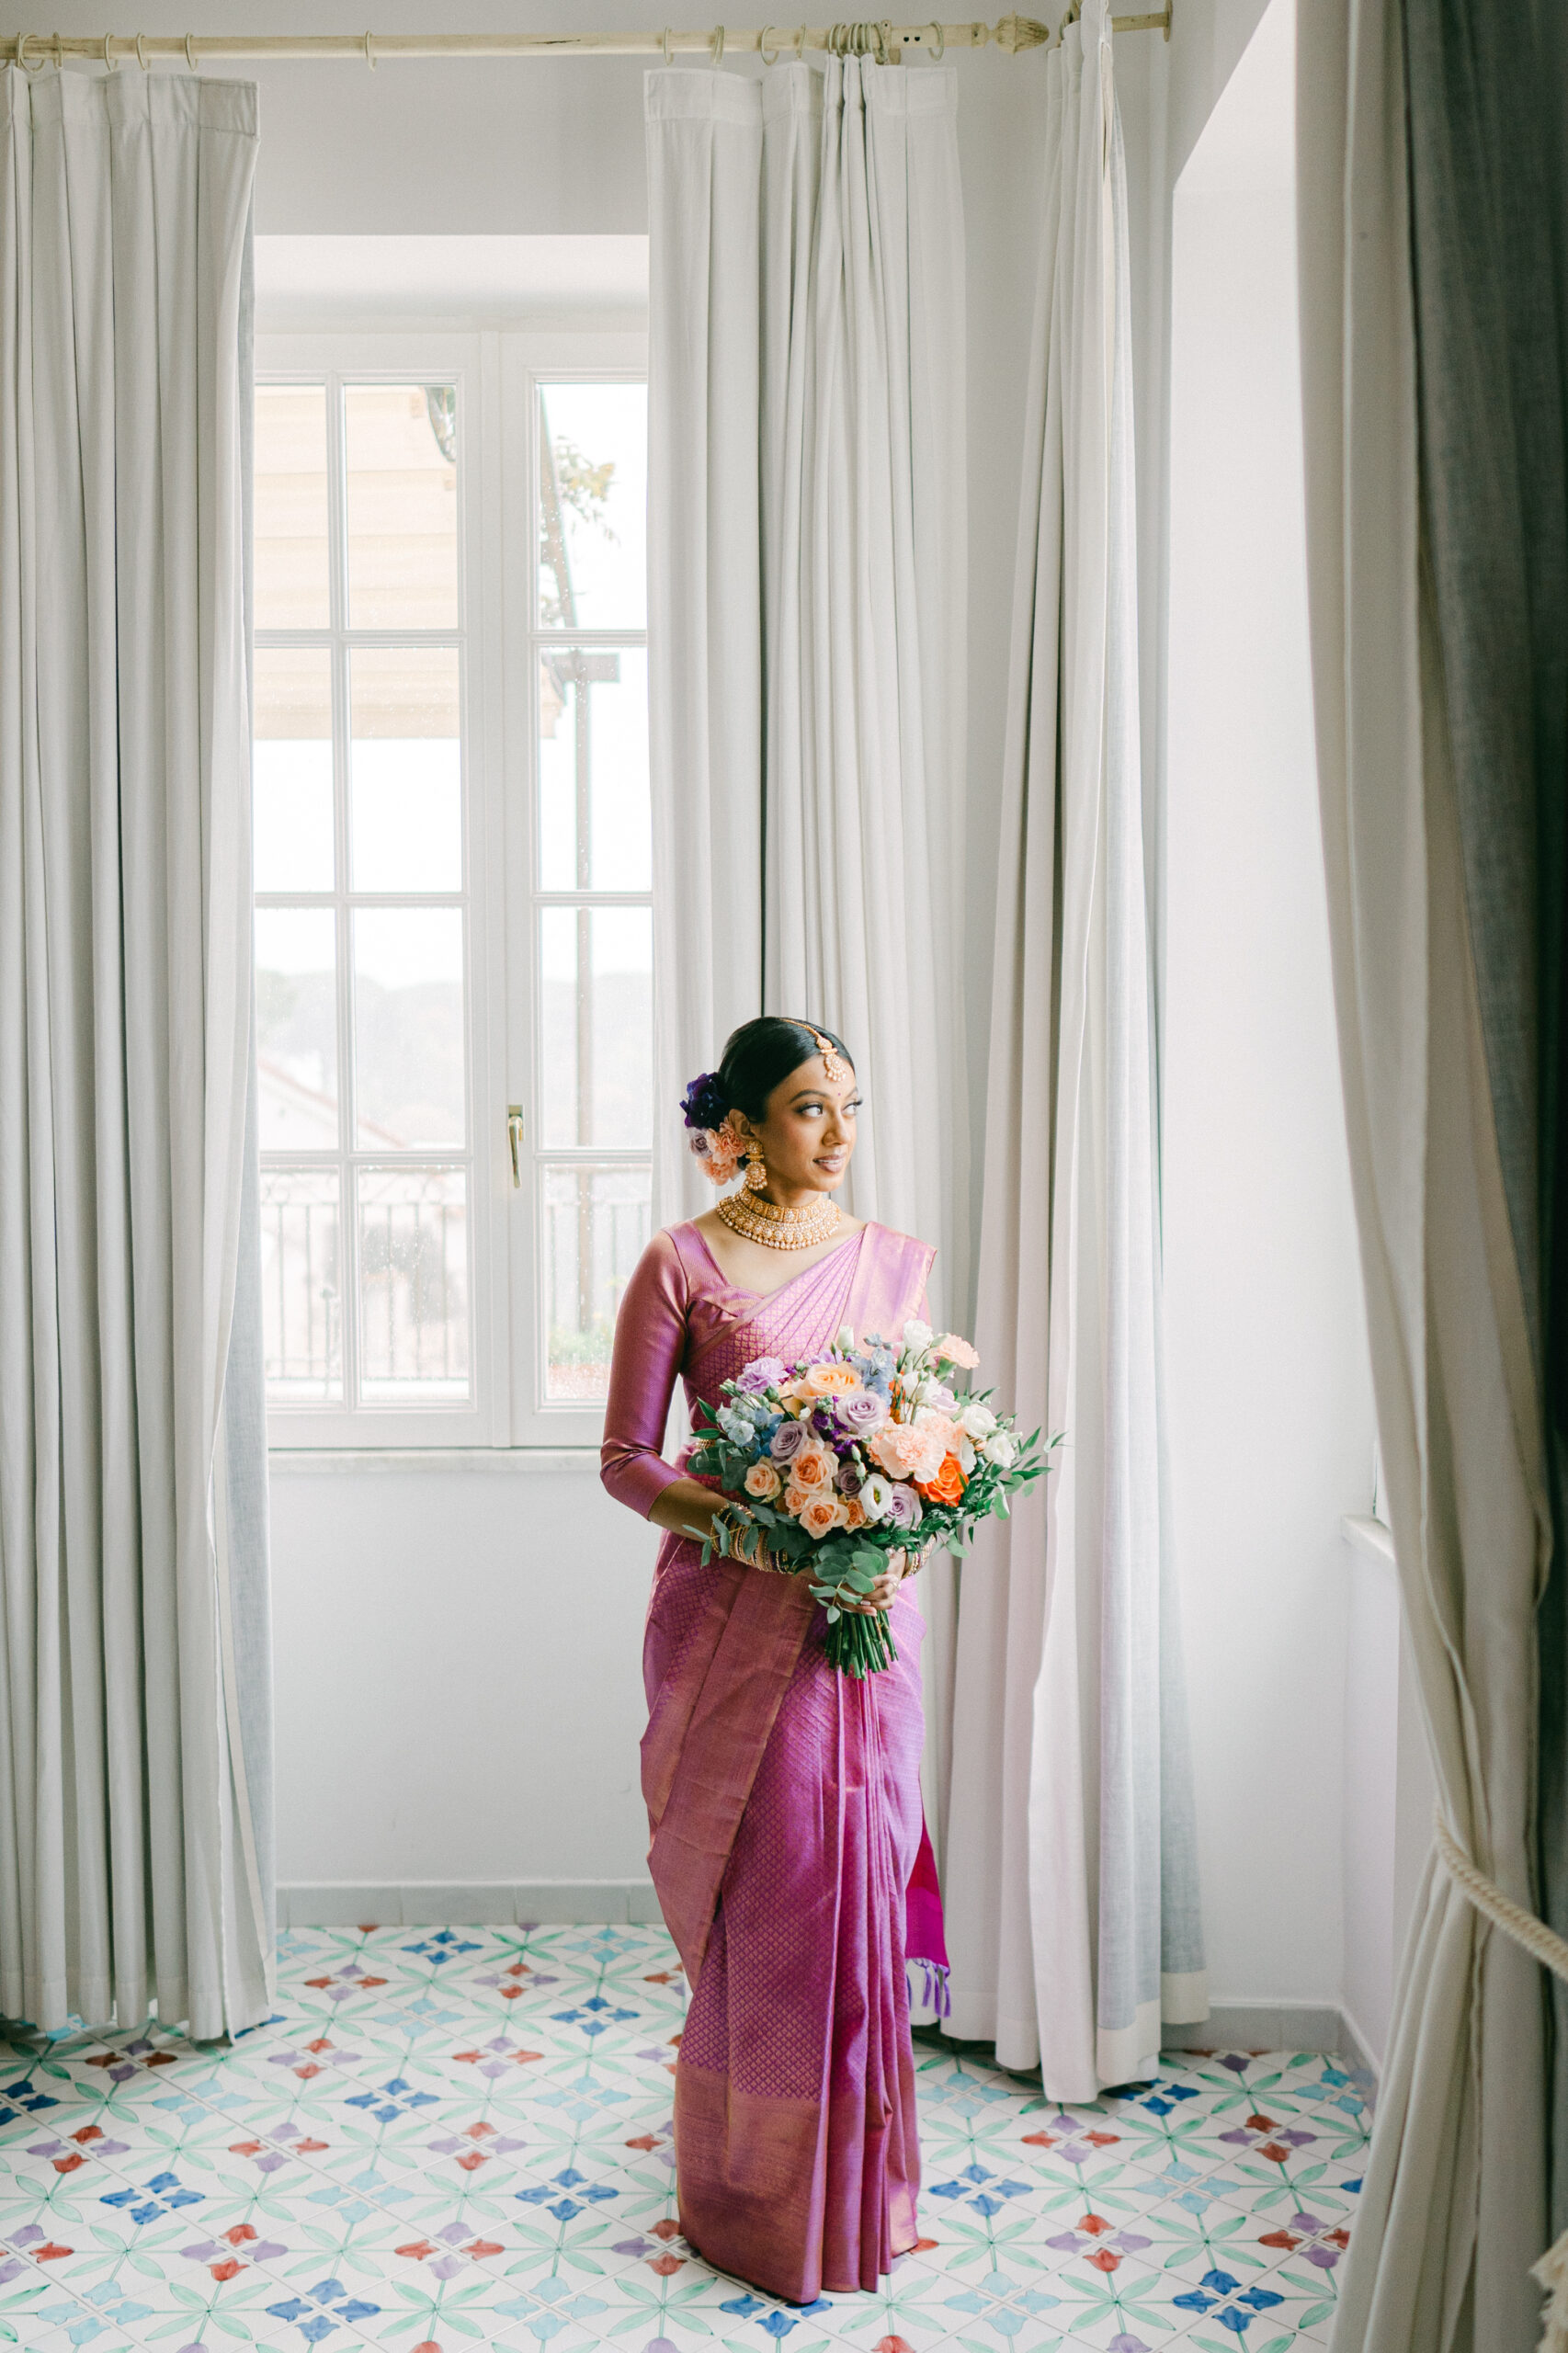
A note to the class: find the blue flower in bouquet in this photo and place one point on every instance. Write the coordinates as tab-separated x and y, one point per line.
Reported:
762	1372
738	1428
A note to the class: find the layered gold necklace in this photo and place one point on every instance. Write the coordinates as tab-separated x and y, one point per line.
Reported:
760	1220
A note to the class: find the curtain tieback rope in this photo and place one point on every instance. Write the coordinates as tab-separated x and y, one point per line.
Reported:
1544	1945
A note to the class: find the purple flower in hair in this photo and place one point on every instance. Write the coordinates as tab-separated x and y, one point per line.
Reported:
703	1103
904	1507
787	1441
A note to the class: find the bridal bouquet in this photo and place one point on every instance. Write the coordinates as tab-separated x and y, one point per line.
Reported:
848	1457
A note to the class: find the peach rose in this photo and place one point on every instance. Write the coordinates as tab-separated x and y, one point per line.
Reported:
823	1514
948	1485
853	1514
814	1466
907	1450
828	1380
763	1482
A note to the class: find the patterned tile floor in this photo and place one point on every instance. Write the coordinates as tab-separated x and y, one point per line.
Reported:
461	2136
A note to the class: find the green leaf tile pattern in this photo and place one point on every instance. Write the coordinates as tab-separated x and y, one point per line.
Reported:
455	2138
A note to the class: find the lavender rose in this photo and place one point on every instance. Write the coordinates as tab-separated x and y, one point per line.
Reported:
904	1507
787	1441
861	1412
849	1478
766	1372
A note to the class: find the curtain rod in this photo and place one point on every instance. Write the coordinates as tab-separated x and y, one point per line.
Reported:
1014	34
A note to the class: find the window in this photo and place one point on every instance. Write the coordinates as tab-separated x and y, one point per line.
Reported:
454	971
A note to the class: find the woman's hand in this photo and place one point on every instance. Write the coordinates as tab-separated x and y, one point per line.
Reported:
900	1565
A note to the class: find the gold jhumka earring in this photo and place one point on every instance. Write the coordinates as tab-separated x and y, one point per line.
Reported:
755	1176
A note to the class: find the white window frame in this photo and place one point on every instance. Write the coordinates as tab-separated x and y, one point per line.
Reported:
496	373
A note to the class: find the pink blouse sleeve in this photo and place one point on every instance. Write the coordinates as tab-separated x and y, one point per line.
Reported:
650	1341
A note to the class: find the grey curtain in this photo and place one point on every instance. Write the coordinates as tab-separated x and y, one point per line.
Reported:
135	1862
1429	165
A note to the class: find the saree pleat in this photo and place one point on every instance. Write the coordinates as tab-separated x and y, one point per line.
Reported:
784	1802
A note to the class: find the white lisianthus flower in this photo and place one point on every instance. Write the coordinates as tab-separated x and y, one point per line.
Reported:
966	1453
876	1493
846	1340
916	1335
1001	1448
975	1420
935	1392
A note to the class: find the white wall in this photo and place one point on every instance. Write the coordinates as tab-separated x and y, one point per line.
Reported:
1270	1415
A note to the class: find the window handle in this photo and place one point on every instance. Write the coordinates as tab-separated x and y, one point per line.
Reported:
514	1138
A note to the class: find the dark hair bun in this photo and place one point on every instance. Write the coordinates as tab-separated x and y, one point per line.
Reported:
760	1055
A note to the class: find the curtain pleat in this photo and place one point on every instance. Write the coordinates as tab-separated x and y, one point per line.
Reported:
130	1861
807	506
1434	413
1072	1870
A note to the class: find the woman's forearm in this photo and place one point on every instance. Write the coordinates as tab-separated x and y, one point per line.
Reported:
688	1507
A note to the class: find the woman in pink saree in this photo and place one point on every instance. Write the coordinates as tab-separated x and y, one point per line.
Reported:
788	1850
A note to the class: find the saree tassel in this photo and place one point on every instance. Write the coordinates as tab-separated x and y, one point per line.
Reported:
929	1990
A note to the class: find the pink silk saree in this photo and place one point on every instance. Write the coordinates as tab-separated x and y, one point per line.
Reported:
784	1805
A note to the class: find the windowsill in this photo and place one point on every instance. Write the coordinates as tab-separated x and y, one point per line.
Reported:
531	1461
1371	1538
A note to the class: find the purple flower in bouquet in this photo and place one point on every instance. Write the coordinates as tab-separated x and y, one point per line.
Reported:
787	1441
861	1412
849	1478
765	1372
904	1507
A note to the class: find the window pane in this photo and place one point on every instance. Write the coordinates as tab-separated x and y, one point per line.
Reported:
296	1027
291	590
400	495
408	1026
593	470
291	771
413	1336
597	1026
302	1285
596	1227
405	769
595	827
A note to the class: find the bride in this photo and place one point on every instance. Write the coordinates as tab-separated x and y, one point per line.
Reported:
788	1849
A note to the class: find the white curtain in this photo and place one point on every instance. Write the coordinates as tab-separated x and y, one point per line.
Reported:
134	1847
808	504
1071	1878
1453	2212
704	591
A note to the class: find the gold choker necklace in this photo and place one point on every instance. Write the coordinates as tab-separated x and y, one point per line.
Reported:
759	1220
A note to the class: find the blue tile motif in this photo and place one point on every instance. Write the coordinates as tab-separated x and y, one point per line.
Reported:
461	2138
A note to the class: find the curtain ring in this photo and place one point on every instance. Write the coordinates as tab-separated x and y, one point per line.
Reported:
111	64
189	58
22	58
762	47
142	54
800	46
939	52
717	46
370	52
667	44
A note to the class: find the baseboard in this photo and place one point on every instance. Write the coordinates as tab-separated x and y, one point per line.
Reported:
1274	2026
433	1904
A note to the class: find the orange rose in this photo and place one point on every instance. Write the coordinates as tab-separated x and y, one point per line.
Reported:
763	1482
853	1514
828	1380
947	1486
